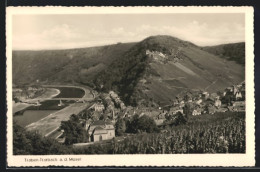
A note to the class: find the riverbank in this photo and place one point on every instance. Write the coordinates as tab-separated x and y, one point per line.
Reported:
52	122
89	94
20	106
48	93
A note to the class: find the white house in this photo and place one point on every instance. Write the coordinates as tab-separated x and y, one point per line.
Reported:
205	94
198	102
196	112
238	95
217	103
101	130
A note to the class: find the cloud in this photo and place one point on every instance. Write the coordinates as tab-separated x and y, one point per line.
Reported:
66	36
55	37
61	32
198	33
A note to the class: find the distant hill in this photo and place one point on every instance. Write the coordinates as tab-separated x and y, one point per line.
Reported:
64	66
154	70
234	52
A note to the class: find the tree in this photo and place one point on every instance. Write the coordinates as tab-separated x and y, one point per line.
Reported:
32	143
132	124
147	124
176	119
86	115
103	116
187	110
143	124
179	119
120	127
21	144
74	131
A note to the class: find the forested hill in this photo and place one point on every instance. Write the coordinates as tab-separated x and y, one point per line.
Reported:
124	74
64	66
173	67
235	51
154	70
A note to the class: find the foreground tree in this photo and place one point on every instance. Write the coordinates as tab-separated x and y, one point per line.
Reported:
32	143
142	124
176	119
74	131
120	127
21	144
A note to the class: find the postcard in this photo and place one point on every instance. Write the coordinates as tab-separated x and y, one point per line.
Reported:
130	86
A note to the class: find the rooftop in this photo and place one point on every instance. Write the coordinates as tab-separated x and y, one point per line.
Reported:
100	130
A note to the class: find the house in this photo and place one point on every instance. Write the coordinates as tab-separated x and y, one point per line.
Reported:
214	96
175	102
238	103
161	116
238	95
148	52
162	55
30	95
98	107
113	95
198	102
182	104
239	106
235	89
122	105
205	95
101	130
175	110
221	109
159	122
229	91
196	112
217	103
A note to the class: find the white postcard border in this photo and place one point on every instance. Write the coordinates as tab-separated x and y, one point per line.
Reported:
247	159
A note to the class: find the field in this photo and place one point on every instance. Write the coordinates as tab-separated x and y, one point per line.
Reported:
198	70
220	133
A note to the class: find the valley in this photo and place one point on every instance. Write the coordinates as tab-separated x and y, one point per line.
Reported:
107	95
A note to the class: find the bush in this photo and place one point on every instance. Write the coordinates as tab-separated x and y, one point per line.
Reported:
32	143
142	124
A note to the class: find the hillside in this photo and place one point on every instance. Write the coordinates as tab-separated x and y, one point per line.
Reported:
139	77
64	66
154	70
234	52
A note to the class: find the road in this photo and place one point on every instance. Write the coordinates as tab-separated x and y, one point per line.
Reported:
51	123
75	99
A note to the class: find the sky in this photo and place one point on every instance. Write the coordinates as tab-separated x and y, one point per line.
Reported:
61	31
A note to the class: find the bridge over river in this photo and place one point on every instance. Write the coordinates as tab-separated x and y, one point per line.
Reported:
75	99
49	126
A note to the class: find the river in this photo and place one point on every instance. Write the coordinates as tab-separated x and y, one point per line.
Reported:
35	113
30	116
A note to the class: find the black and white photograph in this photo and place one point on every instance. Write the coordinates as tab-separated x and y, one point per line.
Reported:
129	84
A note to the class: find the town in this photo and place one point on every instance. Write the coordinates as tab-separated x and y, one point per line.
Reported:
106	116
101	119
